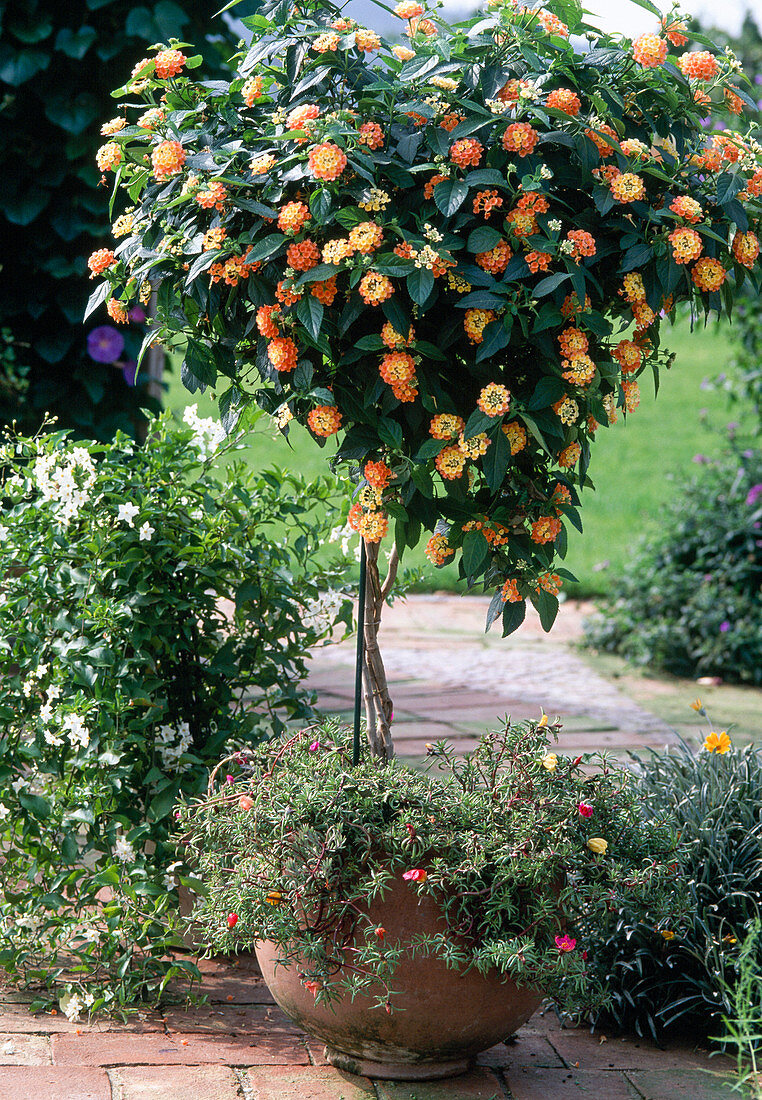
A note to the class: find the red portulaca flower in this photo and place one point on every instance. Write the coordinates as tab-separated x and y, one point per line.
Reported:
416	875
565	943
585	809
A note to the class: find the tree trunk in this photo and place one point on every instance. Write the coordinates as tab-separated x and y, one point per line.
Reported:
378	703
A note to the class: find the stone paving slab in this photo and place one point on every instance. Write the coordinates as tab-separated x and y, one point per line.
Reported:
174	1083
25	1050
53	1083
238	1019
480	1084
688	1084
535	1084
315	1083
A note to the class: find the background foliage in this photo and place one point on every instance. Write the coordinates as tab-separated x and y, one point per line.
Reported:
690	601
686	980
123	675
57	65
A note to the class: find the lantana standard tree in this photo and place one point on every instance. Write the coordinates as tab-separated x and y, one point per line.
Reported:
455	254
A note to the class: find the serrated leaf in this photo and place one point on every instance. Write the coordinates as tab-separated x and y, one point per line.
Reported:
420	284
550	283
475	554
449	196
496	461
483	239
310	312
390	433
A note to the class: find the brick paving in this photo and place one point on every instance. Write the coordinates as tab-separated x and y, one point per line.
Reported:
447	680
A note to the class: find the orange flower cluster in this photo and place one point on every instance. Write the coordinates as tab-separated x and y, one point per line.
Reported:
377	474
631	395
375	288
466	151
700	65
564	99
538	261
324	420
169	63
301	117
570	306
474	447
428	187
109	157
213	239
687	245
551	23
100	260
394	339
629	355
746	248
232	270
261	164
438	549
509	593
583	243
546	529
252	90
708	274
282	353
325	291
516	435
734	102
549	582
573	341
520	138
580	370
523	218
337	250
265	320
288	296
494	400
497	259
397	368
367	41
326	161
675	31
569	456
371	134
213	197
449	121
687	208
326	43
628	187
485	202
366	237
371	525
649	50
303	255
450	462
475	322
116	311
446	426
167	159
598	138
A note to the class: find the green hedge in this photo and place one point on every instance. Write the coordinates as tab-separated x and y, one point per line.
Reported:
58	63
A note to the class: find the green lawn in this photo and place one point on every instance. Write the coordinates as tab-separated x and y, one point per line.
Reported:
633	463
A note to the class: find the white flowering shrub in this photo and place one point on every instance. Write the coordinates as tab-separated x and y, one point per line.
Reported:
154	615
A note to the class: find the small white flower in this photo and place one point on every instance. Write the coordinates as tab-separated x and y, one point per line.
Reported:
78	732
127	512
554	224
31	922
123	850
4	811
146	531
20	784
53	738
46	712
28	686
54	692
71	1006
3	533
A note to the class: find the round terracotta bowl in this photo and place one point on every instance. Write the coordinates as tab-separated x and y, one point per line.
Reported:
441	1018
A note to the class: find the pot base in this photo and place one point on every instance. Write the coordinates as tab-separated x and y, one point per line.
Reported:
396	1071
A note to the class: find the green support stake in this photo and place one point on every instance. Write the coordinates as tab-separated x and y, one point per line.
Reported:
360	653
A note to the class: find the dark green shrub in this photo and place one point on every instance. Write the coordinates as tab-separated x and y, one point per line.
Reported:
153	616
690	602
662	985
57	66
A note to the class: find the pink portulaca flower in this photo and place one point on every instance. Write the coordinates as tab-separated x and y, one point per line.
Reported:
416	875
585	809
565	943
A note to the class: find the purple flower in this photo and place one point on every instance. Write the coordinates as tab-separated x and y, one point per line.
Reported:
105	344
748	454
700	459
314	746
754	494
758	78
724	627
137	314
130	372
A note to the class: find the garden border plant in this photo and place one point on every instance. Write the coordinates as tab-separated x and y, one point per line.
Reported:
123	678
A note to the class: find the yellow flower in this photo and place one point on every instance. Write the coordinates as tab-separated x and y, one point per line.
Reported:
718	742
274	897
550	762
668	935
598	845
543	721
698	706
729	939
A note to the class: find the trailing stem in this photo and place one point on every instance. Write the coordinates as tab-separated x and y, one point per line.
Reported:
378	703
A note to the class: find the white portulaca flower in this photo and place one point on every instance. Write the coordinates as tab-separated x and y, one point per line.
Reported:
127	513
123	850
146	532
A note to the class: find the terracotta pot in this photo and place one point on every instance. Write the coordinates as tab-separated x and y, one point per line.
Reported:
441	1018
